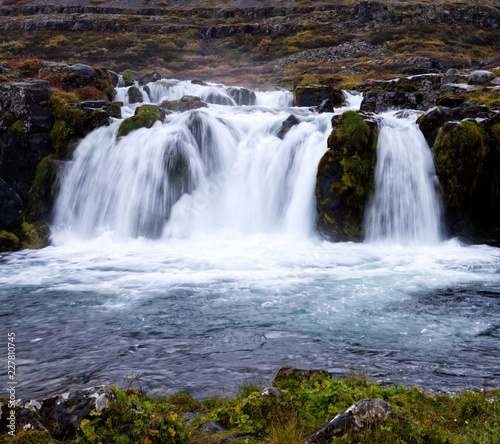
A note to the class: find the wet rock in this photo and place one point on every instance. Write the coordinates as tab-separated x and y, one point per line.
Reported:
314	95
287	125
432	120
242	96
134	95
468	110
185	103
144	117
480	77
298	374
11	205
83	75
450	102
26	120
366	413
149	78
345	177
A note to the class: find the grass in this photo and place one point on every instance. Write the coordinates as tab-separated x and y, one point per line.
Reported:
305	405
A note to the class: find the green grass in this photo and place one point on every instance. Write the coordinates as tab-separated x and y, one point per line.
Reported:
305	405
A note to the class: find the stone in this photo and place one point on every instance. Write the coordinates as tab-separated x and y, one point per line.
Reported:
314	95
144	117
242	96
211	426
84	75
185	103
287	125
11	205
480	77
432	120
468	110
134	95
271	392
326	106
363	414
149	78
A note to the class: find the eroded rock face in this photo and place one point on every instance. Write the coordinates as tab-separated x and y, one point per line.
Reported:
345	177
26	120
11	205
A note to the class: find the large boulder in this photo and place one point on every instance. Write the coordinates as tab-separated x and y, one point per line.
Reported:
11	205
82	75
314	95
480	77
467	155
185	103
149	78
345	177
26	120
134	95
242	96
367	413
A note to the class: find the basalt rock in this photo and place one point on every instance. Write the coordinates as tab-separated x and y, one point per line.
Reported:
25	123
149	78
345	177
467	155
145	116
314	95
83	75
11	205
185	103
287	125
480	77
134	95
242	96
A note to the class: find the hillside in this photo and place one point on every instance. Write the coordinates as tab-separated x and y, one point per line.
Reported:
257	43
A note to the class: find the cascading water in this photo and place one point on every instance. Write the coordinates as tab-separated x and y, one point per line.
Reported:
185	254
405	207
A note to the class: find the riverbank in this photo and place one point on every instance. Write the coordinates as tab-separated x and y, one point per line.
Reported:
298	403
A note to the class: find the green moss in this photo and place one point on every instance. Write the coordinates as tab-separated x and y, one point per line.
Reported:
353	132
29	237
145	116
8	241
44	189
62	136
406	87
60	106
18	127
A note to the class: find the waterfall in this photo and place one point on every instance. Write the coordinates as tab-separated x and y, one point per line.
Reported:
218	168
405	207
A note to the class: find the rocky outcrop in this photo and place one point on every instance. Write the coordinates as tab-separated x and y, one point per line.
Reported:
345	177
467	156
149	78
26	120
11	205
60	415
363	414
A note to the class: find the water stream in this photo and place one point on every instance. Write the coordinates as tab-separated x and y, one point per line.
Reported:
198	280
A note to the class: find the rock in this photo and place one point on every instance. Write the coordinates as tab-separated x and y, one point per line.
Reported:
11	205
466	155
345	177
480	77
144	117
326	106
242	96
147	90
26	120
61	415
314	95
185	103
468	110
134	95
287	125
297	374
114	77
363	414
450	102
211	426
84	75
149	78
432	120
271	392
199	82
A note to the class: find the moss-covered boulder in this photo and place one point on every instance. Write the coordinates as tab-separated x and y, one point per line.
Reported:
467	156
145	116
134	95
185	103
24	236
345	177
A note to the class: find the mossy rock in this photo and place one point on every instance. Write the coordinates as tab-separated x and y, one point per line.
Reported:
145	116
467	156
185	103
286	374
8	241
345	177
134	95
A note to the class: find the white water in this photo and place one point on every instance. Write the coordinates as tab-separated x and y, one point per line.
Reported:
405	207
197	281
